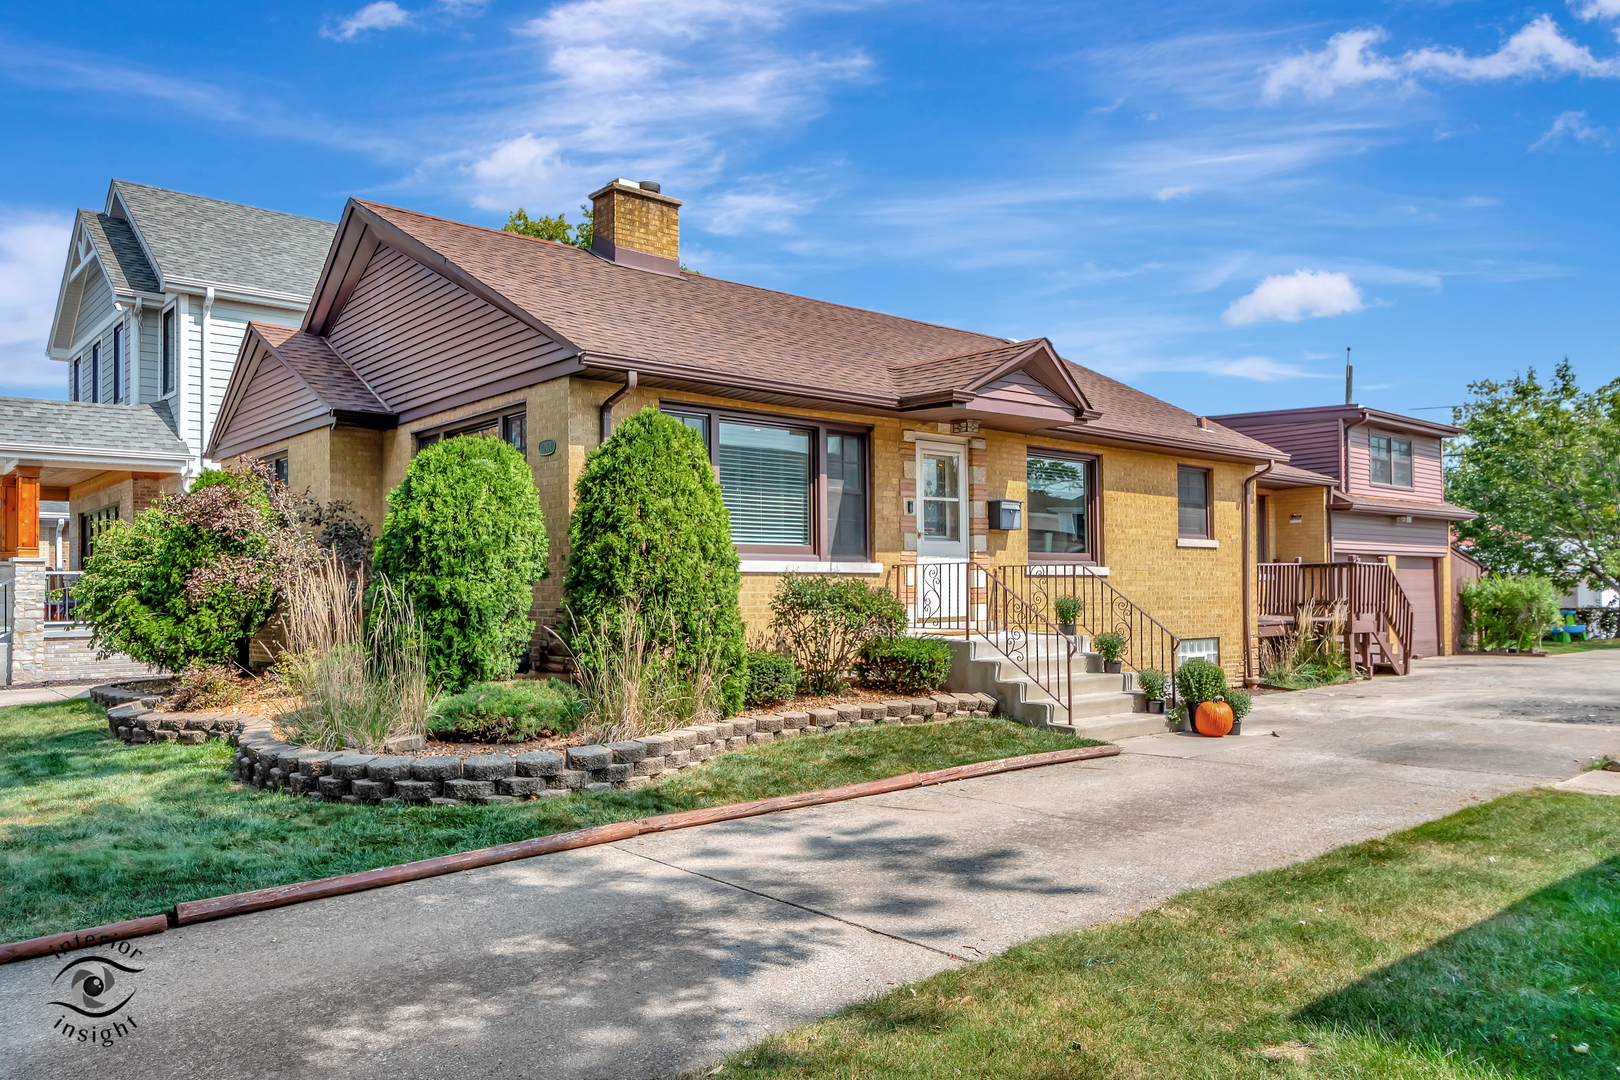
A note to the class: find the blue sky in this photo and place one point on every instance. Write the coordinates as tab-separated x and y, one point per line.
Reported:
1208	201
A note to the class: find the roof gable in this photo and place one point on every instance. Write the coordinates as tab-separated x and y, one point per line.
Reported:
193	240
104	257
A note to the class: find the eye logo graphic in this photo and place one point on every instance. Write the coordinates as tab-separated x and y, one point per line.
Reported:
91	987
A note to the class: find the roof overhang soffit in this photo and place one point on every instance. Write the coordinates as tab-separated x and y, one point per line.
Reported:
360	232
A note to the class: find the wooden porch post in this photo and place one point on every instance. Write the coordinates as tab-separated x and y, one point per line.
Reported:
8	516
19	513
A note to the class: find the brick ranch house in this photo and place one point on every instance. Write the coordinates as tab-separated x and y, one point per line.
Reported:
974	475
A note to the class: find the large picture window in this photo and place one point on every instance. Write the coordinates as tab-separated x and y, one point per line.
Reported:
1062	516
1391	460
791	487
1192	503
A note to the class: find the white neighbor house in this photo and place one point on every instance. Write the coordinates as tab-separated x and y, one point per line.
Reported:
158	288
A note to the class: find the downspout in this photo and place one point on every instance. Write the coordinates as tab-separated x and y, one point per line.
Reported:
1248	571
613	398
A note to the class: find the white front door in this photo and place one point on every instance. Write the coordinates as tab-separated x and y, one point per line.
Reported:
942	533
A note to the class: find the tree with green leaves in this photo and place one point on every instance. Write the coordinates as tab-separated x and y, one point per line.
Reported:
552	228
651	533
1541	465
464	538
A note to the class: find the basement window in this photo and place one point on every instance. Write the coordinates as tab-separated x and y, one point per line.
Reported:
1203	648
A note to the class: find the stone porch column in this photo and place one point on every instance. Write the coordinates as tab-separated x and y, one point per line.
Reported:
28	619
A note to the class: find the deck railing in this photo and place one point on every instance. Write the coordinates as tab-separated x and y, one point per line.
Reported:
1372	594
1013	608
60	604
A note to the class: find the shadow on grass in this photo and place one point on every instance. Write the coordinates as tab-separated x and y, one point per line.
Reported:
1533	991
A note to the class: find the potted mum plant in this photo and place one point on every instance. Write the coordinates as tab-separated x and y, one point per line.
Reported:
1068	611
1241	703
1199	681
1153	684
1110	647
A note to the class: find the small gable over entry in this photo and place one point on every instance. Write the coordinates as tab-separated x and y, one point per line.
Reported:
1024	385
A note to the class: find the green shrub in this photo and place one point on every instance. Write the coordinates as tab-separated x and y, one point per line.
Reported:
1200	680
650	529
464	539
188	580
1153	684
772	679
824	622
509	711
1241	703
1509	612
906	665
1067	608
1110	646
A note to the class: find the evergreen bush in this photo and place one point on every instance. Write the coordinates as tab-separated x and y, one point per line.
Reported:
509	711
906	665
826	621
464	539
772	679
1509	612
650	529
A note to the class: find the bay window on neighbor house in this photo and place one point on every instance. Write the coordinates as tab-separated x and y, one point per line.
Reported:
1062	517
510	425
794	488
1391	461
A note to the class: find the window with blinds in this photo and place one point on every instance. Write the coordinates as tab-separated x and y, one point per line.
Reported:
766	482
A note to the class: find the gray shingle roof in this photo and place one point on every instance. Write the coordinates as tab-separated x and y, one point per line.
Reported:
228	244
87	425
120	253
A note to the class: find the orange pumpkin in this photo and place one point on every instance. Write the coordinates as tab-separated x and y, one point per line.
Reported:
1214	719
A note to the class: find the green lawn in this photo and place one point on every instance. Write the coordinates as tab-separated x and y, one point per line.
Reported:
1483	945
1558	649
93	831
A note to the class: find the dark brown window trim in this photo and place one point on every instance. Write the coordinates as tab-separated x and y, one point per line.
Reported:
1209	501
819	549
1093	509
470	423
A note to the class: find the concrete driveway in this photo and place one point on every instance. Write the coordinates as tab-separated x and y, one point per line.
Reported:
658	954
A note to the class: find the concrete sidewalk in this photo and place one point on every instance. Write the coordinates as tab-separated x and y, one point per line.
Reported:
657	954
44	693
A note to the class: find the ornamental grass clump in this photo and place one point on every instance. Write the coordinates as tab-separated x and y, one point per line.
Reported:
651	555
824	622
635	683
464	540
1310	653
357	657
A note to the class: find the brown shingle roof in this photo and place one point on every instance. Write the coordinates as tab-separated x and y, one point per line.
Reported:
333	380
742	332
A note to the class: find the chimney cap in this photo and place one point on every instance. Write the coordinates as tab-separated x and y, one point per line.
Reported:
650	185
632	188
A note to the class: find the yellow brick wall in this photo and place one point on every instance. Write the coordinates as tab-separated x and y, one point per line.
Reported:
1307	541
309	463
638	222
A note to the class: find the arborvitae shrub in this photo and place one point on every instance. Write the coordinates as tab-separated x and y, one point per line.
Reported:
465	540
772	678
650	528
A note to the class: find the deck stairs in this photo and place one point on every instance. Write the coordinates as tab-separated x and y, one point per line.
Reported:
1103	706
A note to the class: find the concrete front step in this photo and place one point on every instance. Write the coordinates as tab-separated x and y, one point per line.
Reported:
1107	729
979	667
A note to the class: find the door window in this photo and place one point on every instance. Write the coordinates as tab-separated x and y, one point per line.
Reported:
941	496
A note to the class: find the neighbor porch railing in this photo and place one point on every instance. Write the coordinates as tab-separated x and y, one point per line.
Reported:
60	604
1376	607
5	607
1013	609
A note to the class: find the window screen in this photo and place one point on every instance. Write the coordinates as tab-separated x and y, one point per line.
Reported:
1192	503
765	480
846	495
1059	506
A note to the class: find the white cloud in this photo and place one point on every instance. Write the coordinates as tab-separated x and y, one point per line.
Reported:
655	88
33	248
1304	294
753	211
1539	49
1173	191
1587	10
1574	125
382	15
1263	369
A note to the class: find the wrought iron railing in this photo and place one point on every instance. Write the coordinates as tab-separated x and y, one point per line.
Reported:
60	603
1014	608
1371	593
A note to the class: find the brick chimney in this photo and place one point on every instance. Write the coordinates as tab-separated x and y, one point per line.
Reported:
635	224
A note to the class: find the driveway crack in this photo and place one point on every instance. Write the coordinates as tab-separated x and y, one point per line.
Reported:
794	904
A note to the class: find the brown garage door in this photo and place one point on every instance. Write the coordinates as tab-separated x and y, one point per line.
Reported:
1417	579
